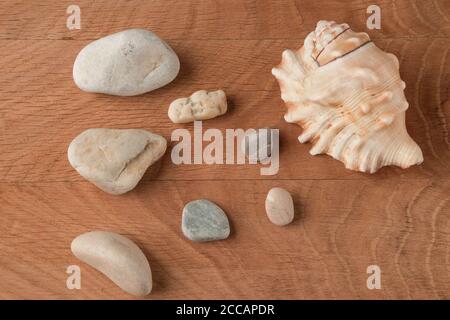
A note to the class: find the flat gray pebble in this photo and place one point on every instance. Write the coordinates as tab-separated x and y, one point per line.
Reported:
203	221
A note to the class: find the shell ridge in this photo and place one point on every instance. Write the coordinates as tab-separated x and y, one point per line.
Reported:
313	130
346	53
320	52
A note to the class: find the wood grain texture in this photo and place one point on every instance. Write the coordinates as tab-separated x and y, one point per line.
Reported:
345	221
220	19
340	228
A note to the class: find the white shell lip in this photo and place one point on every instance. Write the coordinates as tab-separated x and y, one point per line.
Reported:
87	77
347	95
117	257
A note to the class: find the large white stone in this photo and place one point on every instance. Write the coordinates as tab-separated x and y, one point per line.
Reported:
115	159
126	63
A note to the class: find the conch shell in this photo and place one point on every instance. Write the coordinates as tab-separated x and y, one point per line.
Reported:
347	95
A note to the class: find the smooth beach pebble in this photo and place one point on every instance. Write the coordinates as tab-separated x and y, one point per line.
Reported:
115	159
126	63
203	221
279	206
117	257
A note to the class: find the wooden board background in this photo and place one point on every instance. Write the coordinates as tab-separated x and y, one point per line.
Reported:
345	221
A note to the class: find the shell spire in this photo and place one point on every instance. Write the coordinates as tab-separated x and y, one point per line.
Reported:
348	97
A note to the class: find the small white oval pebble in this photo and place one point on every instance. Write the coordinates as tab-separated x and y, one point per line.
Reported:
117	257
279	206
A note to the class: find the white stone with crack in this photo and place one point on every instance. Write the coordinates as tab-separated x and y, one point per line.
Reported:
115	159
125	63
201	105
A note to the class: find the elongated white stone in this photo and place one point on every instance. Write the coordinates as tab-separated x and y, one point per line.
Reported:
201	105
117	257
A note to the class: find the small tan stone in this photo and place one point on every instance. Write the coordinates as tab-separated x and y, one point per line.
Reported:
279	206
115	159
201	105
117	257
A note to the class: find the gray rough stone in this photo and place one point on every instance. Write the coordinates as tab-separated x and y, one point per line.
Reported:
204	221
257	146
